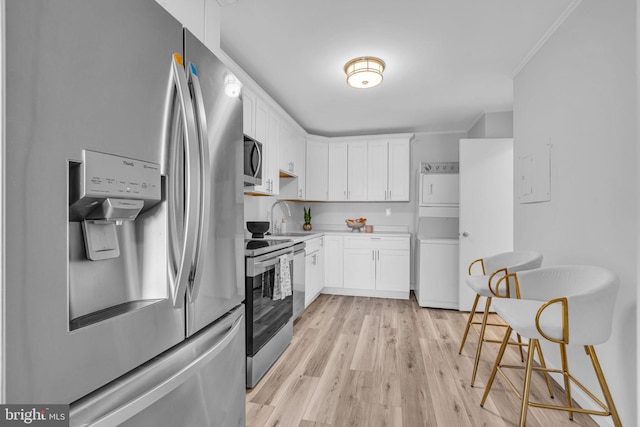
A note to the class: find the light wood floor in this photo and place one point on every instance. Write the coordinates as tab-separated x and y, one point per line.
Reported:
369	362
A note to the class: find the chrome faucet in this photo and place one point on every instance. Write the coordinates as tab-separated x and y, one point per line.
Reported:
274	223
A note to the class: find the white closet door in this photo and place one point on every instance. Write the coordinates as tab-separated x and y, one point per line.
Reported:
486	204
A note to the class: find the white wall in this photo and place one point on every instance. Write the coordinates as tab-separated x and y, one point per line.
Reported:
493	125
579	92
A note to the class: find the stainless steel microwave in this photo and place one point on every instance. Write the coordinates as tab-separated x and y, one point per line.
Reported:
252	161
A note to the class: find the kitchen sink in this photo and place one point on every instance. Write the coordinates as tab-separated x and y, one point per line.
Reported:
290	234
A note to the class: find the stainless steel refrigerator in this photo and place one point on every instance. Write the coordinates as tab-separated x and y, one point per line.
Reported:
124	281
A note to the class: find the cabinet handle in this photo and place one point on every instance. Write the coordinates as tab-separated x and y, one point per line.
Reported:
373	255
389	194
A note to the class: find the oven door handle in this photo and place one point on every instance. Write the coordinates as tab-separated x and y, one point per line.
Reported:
265	264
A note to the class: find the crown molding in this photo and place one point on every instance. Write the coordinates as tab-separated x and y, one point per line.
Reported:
546	36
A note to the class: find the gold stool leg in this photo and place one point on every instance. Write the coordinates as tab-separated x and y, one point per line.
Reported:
565	374
520	347
533	343
603	385
471	314
544	369
494	371
485	318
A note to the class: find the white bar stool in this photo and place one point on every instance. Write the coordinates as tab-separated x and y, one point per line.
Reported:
492	268
563	304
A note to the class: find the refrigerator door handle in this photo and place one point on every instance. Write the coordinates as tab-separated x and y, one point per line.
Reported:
205	179
183	184
130	396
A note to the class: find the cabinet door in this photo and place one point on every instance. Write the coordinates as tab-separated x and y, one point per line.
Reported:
357	171
261	121
333	261
273	140
377	171
398	171
300	166
288	149
248	112
392	270
337	171
316	170
359	268
319	269
309	280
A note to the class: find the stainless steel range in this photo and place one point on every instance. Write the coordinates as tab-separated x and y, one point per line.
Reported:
269	319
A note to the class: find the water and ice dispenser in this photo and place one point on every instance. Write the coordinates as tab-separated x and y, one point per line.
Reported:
116	236
106	190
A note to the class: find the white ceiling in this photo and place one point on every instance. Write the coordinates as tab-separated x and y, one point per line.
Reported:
448	61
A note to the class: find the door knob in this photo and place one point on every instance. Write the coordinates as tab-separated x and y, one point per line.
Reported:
465	234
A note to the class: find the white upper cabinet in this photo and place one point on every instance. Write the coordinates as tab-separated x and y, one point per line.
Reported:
288	150
357	171
378	163
398	173
317	169
388	177
263	124
190	13
272	170
301	165
347	171
337	173
249	101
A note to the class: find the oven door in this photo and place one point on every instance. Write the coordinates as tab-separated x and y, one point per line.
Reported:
265	316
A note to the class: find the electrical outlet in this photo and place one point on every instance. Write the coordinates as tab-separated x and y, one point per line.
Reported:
388	212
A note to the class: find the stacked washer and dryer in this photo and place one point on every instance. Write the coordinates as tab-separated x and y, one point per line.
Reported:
436	262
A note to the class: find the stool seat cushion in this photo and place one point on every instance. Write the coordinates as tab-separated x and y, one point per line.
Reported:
520	314
479	285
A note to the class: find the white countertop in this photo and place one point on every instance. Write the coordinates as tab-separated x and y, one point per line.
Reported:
300	236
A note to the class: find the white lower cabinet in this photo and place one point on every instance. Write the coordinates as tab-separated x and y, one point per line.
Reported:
393	270
314	269
437	273
359	268
333	261
376	266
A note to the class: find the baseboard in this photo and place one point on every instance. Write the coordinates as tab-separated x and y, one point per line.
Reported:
366	293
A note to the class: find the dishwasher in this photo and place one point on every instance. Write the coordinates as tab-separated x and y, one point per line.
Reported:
298	278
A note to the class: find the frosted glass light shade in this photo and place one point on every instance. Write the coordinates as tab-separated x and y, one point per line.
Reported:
232	87
364	72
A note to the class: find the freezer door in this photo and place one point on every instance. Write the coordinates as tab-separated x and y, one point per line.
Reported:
219	276
197	384
91	75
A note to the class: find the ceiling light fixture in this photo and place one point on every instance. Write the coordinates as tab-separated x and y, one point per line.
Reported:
364	72
232	86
